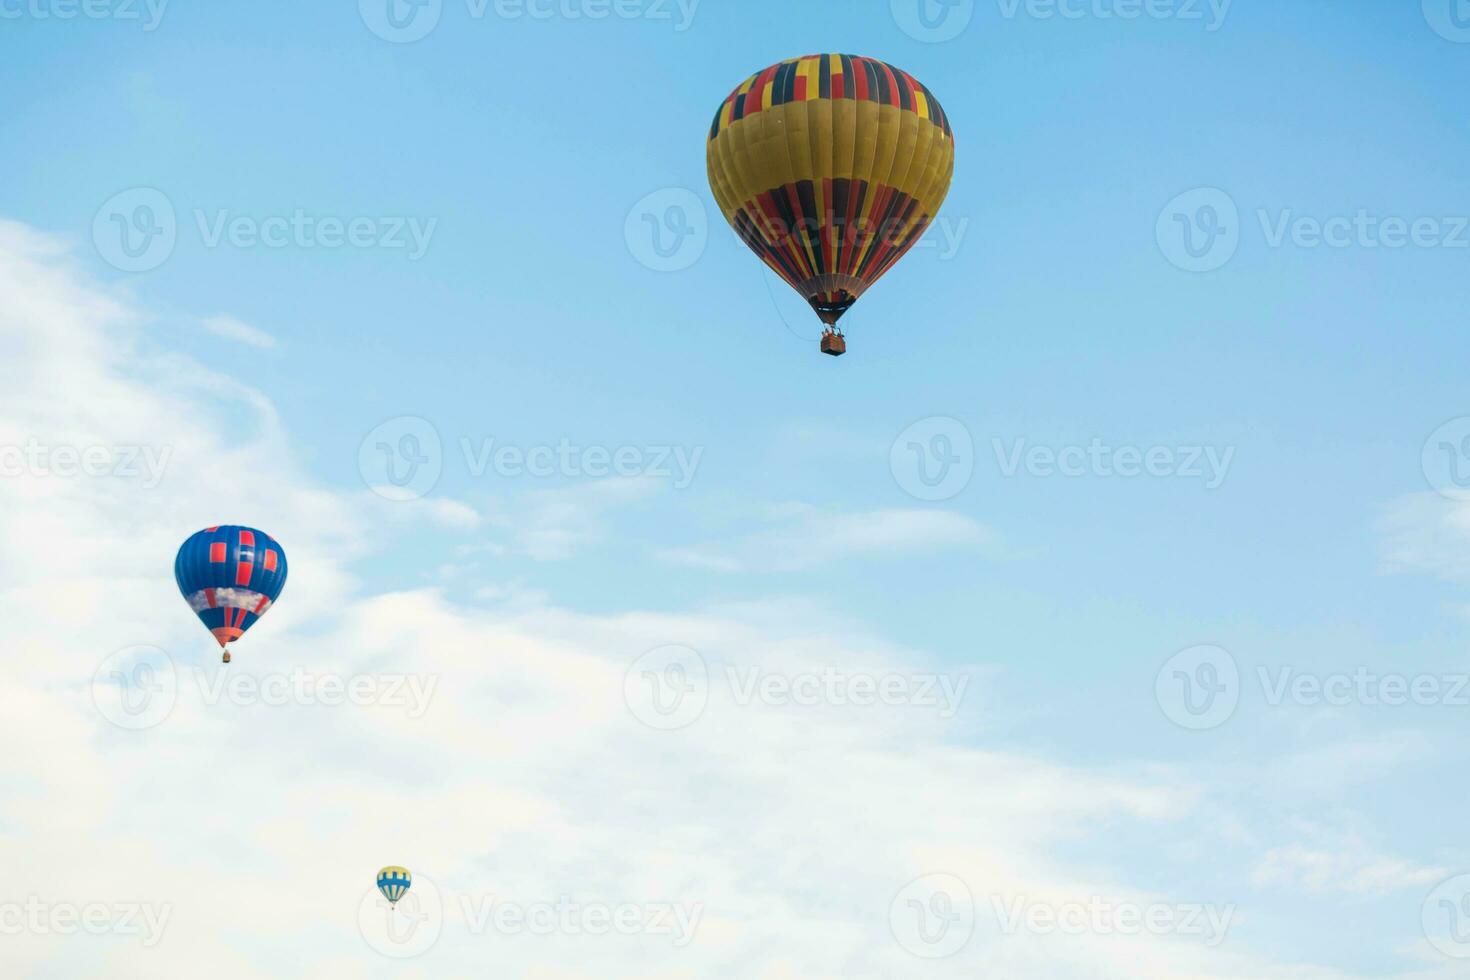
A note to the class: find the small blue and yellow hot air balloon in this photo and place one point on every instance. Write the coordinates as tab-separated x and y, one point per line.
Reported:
230	575
394	882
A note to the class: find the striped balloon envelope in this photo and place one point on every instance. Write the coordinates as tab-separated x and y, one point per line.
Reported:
393	882
230	576
830	168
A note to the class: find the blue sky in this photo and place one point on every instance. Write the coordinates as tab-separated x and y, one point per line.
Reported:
1053	306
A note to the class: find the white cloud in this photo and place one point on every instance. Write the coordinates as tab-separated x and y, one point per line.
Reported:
260	825
228	327
1355	870
552	525
806	537
443	511
1426	532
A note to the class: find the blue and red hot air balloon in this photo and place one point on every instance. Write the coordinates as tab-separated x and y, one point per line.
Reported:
230	575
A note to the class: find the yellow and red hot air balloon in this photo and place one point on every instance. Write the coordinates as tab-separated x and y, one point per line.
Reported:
830	167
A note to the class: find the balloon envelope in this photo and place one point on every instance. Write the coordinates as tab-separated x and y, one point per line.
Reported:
230	576
830	168
393	882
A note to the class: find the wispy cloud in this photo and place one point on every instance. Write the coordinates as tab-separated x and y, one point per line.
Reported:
1427	532
1355	870
805	537
228	327
443	511
552	525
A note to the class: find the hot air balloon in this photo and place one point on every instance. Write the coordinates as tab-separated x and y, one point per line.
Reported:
393	882
230	576
830	167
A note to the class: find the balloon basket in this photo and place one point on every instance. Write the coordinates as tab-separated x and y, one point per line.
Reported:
833	343
226	657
